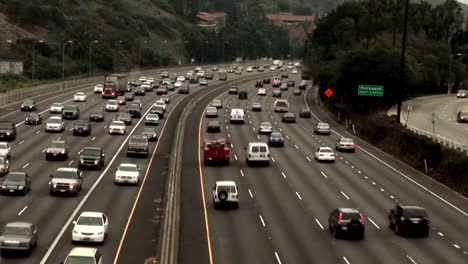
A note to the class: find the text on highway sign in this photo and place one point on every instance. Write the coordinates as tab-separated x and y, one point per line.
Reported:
370	90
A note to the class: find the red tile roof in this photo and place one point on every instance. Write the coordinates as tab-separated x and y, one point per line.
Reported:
210	16
288	17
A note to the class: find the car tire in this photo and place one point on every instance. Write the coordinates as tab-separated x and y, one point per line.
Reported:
216	205
336	233
425	233
391	225
223	195
236	205
398	230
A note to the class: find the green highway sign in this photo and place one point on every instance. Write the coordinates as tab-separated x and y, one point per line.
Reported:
370	90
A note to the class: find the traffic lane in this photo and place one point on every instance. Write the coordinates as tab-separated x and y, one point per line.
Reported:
236	235
283	217
443	216
302	177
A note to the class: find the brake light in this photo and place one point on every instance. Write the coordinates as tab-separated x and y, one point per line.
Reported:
340	217
282	138
362	217
271	138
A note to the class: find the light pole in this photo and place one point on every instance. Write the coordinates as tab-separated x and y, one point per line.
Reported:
402	64
33	64
90	55
160	53
63	57
139	53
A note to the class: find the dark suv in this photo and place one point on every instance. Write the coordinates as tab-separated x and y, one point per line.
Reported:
71	112
134	110
91	157
82	128
7	130
138	145
406	219
346	220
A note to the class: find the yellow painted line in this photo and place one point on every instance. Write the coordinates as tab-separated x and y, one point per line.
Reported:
137	199
202	188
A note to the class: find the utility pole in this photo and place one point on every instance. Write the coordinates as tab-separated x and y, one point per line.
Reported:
401	87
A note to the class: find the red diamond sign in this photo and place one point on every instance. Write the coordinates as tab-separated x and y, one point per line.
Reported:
328	92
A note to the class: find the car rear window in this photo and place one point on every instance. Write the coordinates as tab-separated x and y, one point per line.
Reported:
413	212
326	151
351	216
138	140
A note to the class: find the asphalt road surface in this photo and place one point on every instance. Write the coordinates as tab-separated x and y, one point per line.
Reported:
284	208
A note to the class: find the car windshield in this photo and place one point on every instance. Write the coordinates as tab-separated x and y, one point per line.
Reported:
157	108
414	212
267	124
80	260
90	221
323	125
347	140
57	104
56	144
351	216
117	123
65	174
55	120
81	123
127	168
96	113
90	152
2	161
3	146
16	231
15	177
34	115
79	94
28	102
69	107
289	114
111	102
138	140
463	113
152	116
326	150
276	135
213	123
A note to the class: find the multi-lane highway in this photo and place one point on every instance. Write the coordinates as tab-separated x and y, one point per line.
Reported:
283	210
127	241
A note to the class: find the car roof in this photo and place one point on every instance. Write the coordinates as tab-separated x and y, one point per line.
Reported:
67	169
320	148
257	144
92	148
408	206
83	251
19	224
91	214
348	210
226	183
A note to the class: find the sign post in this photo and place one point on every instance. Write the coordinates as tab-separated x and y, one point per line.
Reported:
370	90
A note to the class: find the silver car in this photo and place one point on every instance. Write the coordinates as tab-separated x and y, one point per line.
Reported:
57	149
152	119
18	236
345	144
211	111
55	124
322	128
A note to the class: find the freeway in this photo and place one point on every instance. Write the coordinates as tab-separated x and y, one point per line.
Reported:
53	215
283	210
443	110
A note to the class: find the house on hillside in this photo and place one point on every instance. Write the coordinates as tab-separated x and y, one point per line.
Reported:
213	21
288	19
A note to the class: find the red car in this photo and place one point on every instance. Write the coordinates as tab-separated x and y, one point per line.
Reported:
303	85
216	151
161	90
259	84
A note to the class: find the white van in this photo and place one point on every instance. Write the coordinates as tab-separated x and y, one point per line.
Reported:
237	116
281	105
258	153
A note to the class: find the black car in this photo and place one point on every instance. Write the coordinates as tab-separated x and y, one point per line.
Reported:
193	79
284	75
242	95
346	221
18	237
259	83
134	109
409	219
129	96
7	130
33	119
140	91
16	182
28	105
125	117
291	83
462	117
184	89
91	157
70	112
305	113
159	110
213	126
276	93
289	117
82	128
233	90
150	133
96	115
266	80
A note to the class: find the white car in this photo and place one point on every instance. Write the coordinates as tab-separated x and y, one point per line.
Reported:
161	103
325	154
261	91
211	111
225	193
112	105
217	103
142	78
56	108
55	124
257	107
152	119
90	227
272	68
80	97
265	127
249	69
127	173
117	127
98	88
5	149
294	71
178	84
201	73
180	79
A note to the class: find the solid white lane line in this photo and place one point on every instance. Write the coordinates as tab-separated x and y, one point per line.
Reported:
296	146
284	175
37	132
346	260
298	196
251	195
263	222
324	175
411	259
25	165
242	173
318	222
372	221
308	159
344	194
235	156
273	159
69	163
21	142
277	258
22	211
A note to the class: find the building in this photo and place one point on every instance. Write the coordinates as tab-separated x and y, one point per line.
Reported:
288	19
213	21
